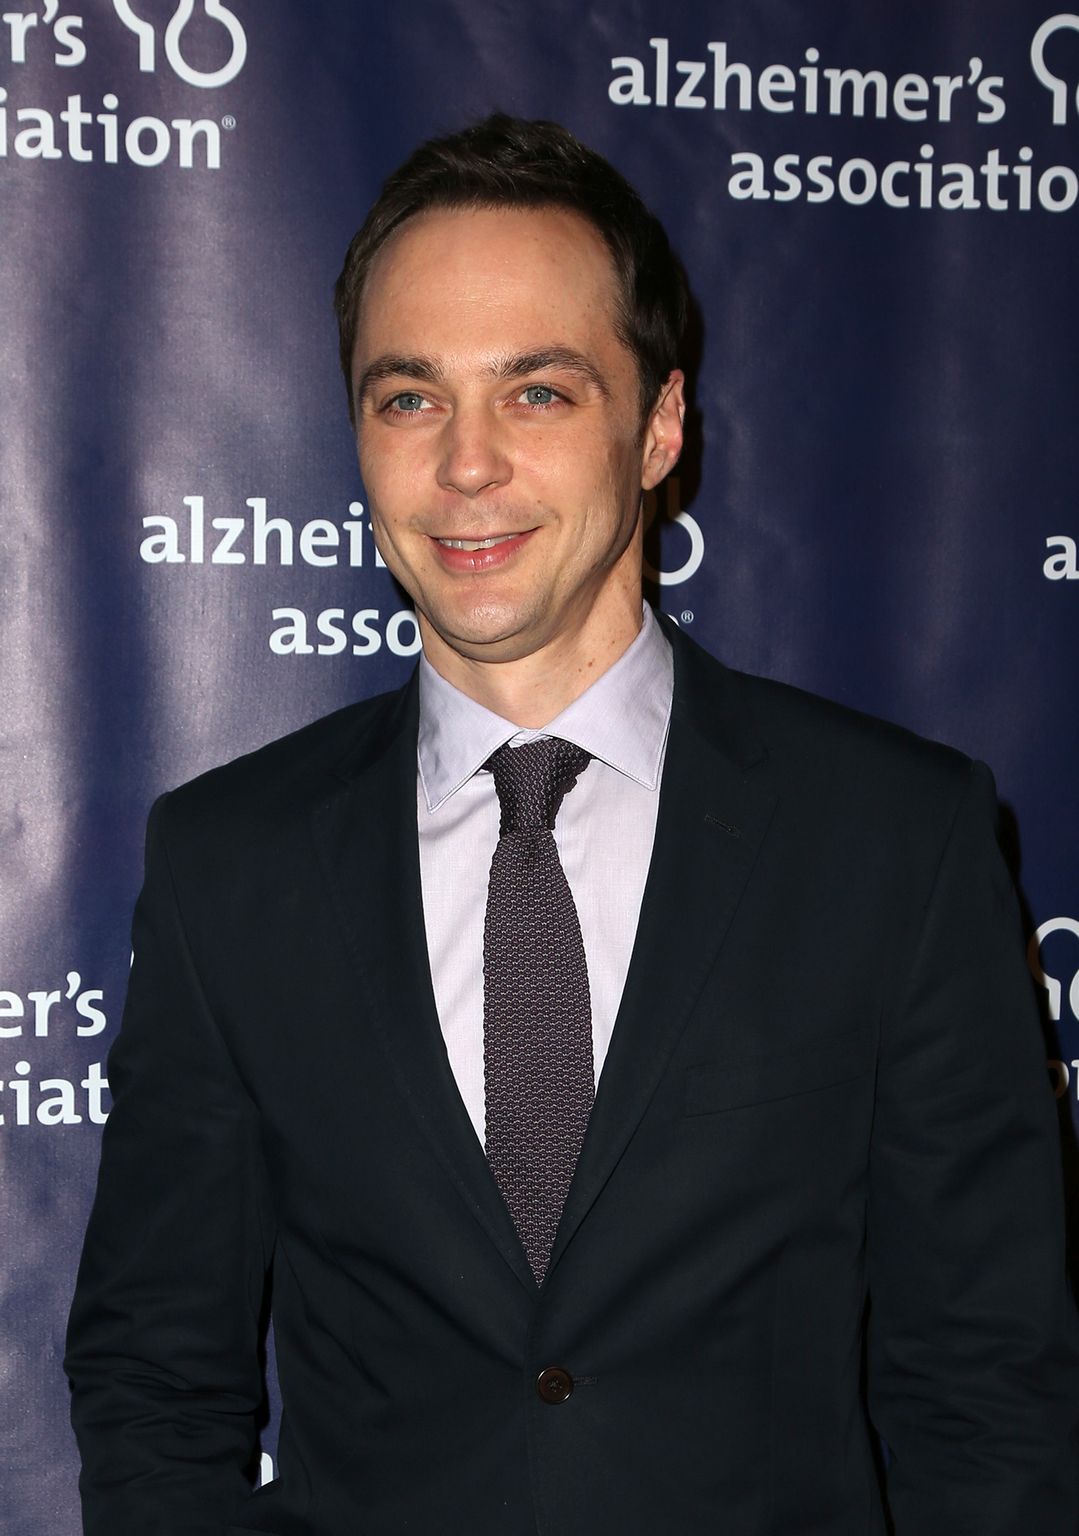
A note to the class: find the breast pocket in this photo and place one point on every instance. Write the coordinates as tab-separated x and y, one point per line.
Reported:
824	1062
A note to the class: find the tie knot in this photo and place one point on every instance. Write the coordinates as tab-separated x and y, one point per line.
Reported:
532	780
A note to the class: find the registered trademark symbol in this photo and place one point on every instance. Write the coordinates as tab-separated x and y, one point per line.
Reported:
687	615
228	121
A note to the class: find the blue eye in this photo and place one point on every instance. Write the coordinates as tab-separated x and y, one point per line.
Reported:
409	401
539	394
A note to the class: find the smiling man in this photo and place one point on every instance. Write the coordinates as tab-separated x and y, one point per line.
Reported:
500	431
676	1124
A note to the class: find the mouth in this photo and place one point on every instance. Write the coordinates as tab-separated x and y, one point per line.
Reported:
473	544
474	557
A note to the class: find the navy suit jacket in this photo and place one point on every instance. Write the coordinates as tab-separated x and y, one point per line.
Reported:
818	1200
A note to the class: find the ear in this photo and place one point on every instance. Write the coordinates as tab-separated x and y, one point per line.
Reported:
663	432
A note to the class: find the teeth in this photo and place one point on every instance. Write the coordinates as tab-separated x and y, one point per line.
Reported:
474	544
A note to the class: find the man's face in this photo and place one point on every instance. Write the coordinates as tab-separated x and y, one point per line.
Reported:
499	435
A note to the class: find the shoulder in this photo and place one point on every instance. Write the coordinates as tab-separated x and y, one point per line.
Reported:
857	804
290	774
820	733
847	763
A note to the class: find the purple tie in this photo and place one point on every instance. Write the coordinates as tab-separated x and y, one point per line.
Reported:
537	1014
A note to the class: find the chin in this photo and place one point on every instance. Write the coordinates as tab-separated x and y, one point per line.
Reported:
490	637
491	624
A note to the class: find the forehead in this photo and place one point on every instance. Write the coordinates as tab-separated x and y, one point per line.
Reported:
501	277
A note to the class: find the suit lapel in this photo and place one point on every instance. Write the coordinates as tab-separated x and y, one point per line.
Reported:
365	832
712	820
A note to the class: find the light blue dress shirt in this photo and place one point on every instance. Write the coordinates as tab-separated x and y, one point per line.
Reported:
604	834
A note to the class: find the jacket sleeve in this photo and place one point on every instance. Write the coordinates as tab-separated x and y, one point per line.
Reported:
164	1333
973	1363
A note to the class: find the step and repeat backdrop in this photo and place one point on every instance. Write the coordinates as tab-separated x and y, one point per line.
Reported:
878	206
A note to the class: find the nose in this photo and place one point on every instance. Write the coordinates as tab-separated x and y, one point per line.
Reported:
474	454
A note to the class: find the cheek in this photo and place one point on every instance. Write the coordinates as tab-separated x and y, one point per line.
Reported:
392	498
389	460
386	508
399	554
573	473
616	484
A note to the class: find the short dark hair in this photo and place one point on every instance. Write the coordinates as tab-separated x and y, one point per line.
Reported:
508	162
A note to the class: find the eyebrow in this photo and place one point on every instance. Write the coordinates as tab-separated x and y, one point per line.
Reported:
394	366
516	366
564	359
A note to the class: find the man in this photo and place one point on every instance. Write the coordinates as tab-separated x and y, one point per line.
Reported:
815	1199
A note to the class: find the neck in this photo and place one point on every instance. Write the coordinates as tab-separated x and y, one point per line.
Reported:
531	690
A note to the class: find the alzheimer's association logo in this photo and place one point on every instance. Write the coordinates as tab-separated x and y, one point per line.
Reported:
205	47
656	516
173	42
1055	966
1061	985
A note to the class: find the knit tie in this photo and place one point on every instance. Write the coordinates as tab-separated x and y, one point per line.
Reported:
537	1015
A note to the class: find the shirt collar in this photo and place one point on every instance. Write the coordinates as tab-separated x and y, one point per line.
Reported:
622	719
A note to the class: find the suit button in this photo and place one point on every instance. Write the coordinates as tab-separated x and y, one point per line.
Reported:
554	1384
